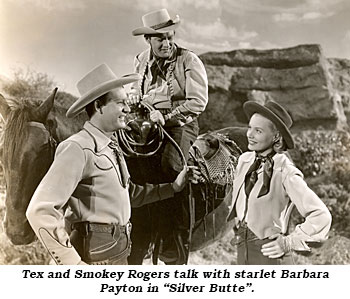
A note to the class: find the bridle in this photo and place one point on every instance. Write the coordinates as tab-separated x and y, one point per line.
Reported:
52	143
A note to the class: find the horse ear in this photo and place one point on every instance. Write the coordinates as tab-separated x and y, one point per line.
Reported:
44	109
4	107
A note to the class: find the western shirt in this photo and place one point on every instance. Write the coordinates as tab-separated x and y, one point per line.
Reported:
85	177
189	81
268	215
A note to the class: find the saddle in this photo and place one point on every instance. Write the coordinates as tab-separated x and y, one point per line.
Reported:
164	229
194	209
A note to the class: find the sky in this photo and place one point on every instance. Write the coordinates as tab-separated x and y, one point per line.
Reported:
67	38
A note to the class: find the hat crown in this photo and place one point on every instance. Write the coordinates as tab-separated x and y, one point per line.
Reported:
99	75
156	17
275	113
280	112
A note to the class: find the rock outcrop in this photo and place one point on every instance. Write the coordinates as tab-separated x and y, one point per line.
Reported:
340	77
299	78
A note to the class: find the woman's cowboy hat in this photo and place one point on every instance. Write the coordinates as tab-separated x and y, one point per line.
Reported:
96	83
157	22
277	114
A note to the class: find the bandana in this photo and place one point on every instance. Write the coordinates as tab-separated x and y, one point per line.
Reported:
252	176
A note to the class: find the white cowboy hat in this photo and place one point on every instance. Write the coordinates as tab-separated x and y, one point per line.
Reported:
96	83
156	22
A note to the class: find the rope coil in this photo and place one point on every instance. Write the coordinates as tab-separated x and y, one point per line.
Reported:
129	145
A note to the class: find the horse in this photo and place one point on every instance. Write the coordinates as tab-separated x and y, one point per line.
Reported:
193	218
32	131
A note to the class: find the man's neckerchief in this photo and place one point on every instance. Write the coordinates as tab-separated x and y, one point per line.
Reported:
160	65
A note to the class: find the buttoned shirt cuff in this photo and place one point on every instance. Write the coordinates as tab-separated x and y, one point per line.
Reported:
180	117
298	239
61	254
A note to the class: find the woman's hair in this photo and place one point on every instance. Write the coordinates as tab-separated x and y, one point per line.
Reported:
279	144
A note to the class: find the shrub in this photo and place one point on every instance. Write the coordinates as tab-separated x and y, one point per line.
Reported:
29	84
324	158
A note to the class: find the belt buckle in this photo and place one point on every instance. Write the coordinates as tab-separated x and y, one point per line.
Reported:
128	227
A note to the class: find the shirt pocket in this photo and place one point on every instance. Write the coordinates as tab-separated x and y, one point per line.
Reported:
103	163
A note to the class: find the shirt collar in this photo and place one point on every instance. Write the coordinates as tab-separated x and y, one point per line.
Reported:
100	139
249	156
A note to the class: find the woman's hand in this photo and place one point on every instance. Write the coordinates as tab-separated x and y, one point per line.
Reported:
276	248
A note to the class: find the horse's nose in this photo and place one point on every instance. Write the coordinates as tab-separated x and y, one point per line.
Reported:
18	234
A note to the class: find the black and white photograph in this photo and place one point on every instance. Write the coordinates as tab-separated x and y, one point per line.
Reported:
175	133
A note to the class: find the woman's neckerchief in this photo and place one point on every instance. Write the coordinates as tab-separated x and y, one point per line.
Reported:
252	176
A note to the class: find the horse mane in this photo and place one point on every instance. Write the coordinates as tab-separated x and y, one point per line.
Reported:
15	133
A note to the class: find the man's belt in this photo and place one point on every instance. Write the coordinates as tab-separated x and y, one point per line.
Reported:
86	227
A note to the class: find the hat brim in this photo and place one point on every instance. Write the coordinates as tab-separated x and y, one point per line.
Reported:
79	105
252	107
149	30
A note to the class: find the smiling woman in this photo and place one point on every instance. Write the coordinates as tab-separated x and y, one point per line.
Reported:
266	187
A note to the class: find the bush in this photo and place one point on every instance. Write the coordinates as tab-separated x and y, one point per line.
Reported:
29	84
324	158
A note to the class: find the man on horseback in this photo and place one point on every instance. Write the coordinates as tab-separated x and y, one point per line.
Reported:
174	83
89	184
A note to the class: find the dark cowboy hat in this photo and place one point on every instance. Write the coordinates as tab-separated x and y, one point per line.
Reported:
276	113
157	22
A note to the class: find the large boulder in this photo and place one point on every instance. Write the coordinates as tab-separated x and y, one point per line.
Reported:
298	78
340	77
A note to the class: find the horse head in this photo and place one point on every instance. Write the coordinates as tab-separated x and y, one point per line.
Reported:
26	156
31	132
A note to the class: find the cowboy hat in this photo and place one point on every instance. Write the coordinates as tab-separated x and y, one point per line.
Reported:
275	113
96	83
157	22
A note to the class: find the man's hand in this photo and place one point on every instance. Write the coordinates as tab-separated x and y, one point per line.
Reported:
134	98
276	248
189	173
157	117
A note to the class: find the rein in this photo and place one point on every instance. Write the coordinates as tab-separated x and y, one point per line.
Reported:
51	140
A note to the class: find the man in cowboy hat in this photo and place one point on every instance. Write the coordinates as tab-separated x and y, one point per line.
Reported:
174	82
88	182
266	187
